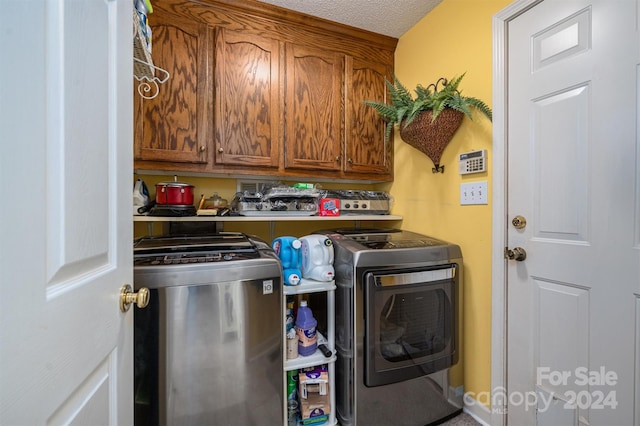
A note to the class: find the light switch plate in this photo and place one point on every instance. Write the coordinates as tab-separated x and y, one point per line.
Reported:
473	193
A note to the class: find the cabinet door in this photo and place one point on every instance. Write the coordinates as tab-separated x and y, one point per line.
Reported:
247	100
366	150
172	127
314	89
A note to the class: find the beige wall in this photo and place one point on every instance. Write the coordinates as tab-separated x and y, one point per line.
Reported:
456	37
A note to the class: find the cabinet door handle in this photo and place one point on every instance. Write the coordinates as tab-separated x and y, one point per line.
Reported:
220	150
338	158
350	161
203	148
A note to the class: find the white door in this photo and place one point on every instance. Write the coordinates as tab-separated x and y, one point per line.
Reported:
572	174
66	350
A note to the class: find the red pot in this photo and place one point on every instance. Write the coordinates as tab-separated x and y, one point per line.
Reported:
174	193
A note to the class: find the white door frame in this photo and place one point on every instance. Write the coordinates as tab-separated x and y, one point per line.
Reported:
499	393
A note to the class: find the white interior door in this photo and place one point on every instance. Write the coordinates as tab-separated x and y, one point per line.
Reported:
572	174
66	350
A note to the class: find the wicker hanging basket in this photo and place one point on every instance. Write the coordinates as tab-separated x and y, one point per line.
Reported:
432	137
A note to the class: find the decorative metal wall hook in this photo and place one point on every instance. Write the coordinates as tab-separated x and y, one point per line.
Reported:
148	80
442	80
143	69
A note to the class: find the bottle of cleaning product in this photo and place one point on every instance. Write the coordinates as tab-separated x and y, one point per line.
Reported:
306	330
292	337
290	317
292	384
287	249
317	258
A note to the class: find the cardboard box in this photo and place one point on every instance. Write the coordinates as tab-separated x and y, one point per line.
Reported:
329	207
315	403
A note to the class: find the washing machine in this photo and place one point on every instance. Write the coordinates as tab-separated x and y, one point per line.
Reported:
208	348
398	317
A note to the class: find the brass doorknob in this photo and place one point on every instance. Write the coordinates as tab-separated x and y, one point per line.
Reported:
517	253
519	222
127	297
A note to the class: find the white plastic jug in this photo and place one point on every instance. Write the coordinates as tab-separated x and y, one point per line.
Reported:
317	258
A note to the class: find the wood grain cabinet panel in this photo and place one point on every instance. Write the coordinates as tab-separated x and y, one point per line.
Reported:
365	148
312	113
172	127
247	100
258	90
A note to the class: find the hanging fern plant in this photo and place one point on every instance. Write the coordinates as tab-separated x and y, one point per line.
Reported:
404	107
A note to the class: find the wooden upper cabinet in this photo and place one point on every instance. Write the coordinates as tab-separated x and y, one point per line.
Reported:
172	127
365	149
261	91
313	109
247	101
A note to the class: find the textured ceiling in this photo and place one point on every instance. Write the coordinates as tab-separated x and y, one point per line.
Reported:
391	18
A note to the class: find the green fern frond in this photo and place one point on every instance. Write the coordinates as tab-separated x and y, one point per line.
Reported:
453	84
387	112
480	106
400	114
398	93
459	103
387	131
422	92
419	106
437	110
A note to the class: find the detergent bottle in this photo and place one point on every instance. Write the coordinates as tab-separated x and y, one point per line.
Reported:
306	330
288	250
317	258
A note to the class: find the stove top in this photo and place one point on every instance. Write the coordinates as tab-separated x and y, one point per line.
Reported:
173	250
172	211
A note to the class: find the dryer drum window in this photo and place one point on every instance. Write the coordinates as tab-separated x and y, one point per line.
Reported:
410	324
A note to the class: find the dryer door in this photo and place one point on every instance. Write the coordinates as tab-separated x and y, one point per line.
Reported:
410	327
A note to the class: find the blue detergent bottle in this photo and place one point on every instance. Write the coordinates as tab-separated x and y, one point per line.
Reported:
288	251
306	330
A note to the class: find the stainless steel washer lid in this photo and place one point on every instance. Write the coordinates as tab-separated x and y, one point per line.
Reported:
191	259
388	239
229	241
380	246
176	250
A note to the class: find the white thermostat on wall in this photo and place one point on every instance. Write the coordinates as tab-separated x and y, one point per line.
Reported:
473	162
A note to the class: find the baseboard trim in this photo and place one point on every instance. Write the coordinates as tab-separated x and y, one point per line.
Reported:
455	396
478	411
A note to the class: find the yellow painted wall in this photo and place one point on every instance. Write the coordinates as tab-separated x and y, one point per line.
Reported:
454	38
